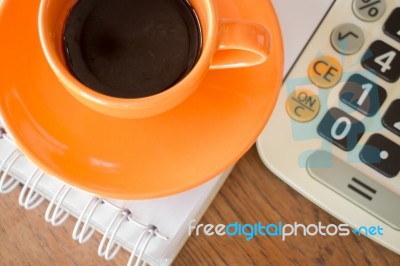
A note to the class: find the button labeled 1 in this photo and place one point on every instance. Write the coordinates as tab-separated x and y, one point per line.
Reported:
363	95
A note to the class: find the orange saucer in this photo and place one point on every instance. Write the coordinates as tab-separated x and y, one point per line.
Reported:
133	158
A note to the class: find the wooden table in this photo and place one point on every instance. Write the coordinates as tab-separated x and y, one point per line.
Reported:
251	194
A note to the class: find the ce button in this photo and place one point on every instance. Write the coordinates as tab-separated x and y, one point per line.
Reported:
325	72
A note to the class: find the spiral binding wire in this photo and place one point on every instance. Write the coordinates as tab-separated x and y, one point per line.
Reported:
84	235
54	213
8	183
30	198
150	232
111	249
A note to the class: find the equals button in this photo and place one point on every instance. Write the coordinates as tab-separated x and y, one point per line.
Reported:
361	188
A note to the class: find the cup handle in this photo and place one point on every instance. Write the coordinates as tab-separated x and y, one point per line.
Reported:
241	44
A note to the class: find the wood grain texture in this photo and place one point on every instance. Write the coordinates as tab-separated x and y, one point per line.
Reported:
251	194
26	239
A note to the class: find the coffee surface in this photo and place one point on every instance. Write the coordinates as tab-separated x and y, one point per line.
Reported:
131	48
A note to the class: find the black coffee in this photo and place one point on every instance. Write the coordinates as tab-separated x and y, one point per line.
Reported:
131	48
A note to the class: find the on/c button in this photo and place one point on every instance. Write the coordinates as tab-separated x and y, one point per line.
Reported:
303	105
325	72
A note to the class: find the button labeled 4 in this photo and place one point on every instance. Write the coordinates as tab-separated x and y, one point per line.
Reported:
383	60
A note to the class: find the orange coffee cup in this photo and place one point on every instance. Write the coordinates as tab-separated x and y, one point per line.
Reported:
226	43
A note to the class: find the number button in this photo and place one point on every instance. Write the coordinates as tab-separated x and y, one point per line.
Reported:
392	25
347	39
383	60
363	95
381	154
369	10
341	129
391	119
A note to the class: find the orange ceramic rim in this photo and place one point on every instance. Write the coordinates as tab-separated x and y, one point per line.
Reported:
134	158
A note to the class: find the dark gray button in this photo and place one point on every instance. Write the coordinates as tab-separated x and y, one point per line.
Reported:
391	119
341	129
355	186
382	155
383	60
363	95
392	25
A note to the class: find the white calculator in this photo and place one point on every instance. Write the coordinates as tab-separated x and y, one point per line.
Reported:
334	135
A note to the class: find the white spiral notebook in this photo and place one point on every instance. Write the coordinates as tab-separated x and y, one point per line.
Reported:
153	231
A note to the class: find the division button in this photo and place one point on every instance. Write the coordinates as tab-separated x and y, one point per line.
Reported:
303	105
341	129
325	72
369	10
391	119
347	39
392	25
363	95
355	186
382	155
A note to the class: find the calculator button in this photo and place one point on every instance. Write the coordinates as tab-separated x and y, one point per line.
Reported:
391	119
381	154
325	72
369	10
383	60
363	95
392	25
347	39
341	129
355	186
303	105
